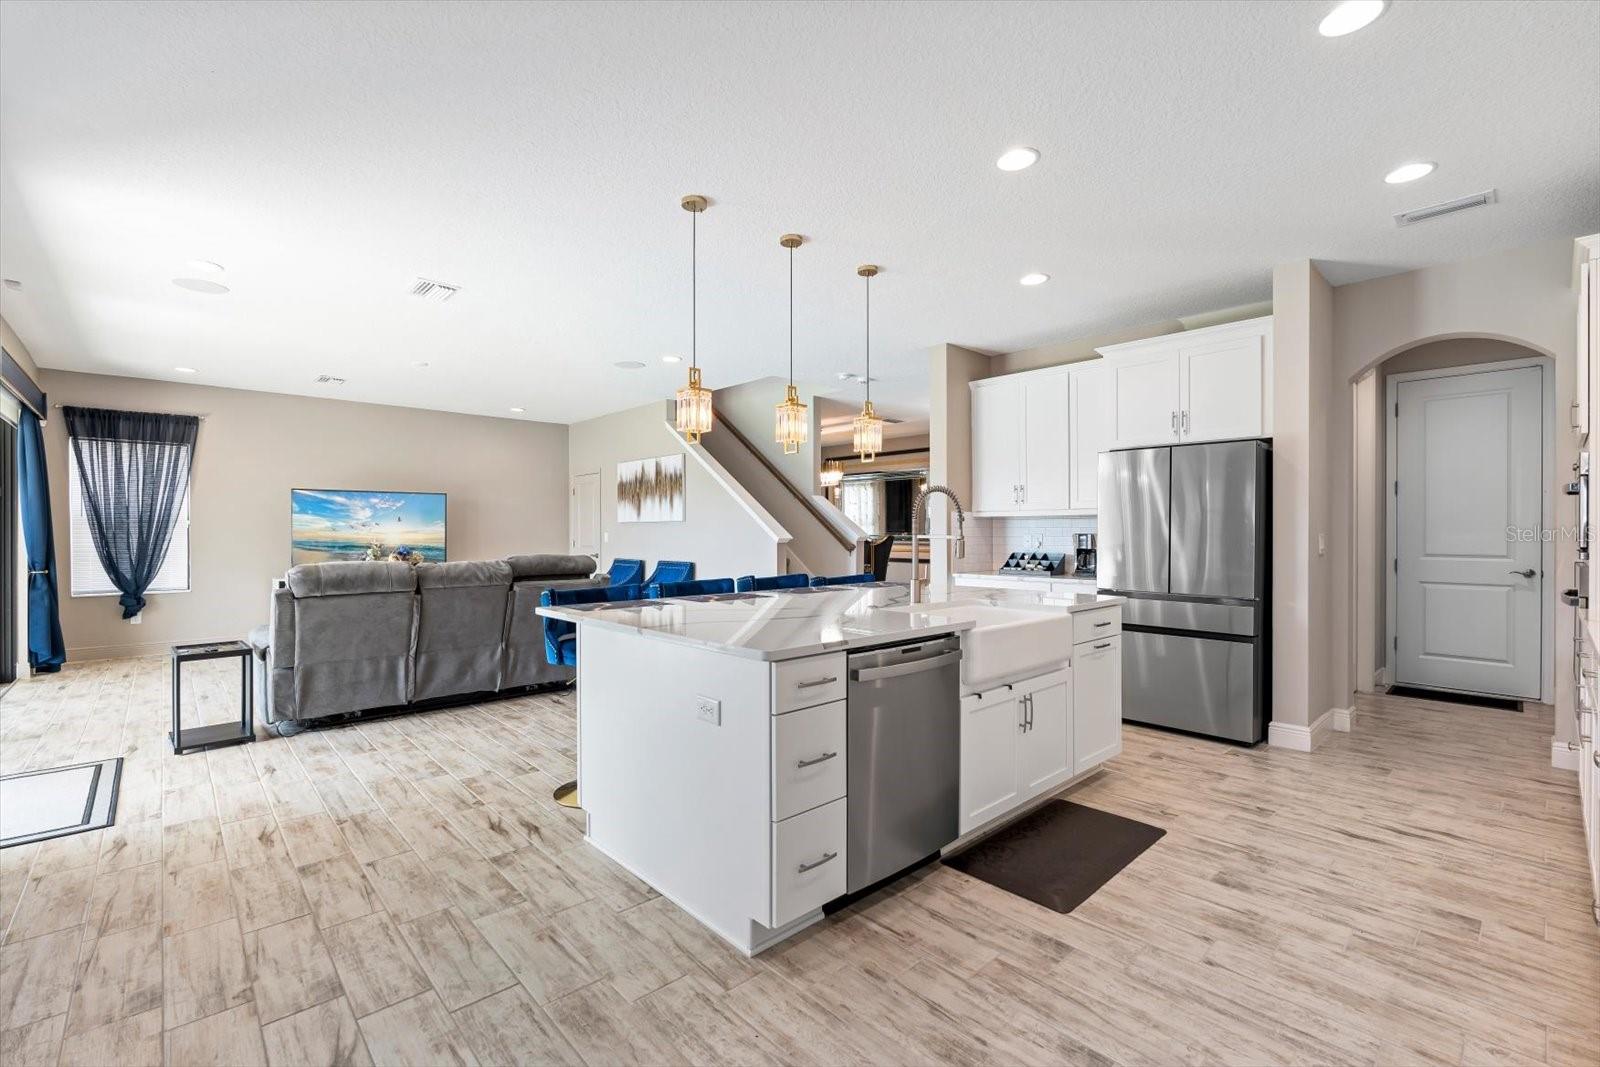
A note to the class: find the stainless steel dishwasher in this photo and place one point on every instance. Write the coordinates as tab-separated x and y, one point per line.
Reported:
903	756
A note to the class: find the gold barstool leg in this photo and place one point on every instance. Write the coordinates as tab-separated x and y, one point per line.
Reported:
566	794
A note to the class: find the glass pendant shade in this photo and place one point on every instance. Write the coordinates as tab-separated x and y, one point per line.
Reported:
832	474
792	423
694	408
867	434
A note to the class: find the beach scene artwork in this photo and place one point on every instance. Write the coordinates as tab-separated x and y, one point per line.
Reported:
650	490
339	524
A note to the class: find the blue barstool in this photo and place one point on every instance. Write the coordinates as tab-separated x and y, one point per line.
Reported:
703	587
671	570
751	584
843	579
627	572
561	643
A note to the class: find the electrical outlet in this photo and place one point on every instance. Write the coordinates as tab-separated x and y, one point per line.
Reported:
708	710
136	620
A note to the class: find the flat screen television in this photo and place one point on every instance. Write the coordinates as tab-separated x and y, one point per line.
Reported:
347	524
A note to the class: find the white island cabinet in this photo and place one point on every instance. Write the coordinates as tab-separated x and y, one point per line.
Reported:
713	739
1026	739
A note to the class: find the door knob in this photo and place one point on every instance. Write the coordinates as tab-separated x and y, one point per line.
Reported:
1529	573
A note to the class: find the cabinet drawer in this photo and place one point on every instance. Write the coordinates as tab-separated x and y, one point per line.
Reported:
808	760
1096	625
805	683
807	861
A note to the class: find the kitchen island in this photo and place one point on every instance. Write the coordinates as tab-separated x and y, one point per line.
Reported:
714	754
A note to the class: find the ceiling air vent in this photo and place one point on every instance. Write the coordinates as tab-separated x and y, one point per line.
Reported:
329	379
1423	214
434	292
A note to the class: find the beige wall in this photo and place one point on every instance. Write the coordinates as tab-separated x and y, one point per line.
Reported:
1305	641
1526	296
506	480
751	408
717	533
952	369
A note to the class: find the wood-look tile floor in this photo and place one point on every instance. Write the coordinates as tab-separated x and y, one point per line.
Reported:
406	892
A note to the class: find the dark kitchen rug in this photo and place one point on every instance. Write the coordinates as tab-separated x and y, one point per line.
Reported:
1058	855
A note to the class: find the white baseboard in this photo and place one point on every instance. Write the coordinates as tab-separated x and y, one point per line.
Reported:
1343	719
142	648
1563	758
1301	738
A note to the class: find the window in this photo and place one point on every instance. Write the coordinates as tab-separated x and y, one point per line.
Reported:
89	578
863	504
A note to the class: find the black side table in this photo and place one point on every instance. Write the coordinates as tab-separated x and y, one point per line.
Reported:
197	738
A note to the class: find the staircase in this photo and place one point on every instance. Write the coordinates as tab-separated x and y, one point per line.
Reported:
822	539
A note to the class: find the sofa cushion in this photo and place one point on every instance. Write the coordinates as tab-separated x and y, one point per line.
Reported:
550	565
463	574
348	578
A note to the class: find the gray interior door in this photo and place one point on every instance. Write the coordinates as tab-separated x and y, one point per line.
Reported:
1214	536
1135	490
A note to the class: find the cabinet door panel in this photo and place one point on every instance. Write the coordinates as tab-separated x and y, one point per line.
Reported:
1046	443
1091	424
989	729
1044	749
1096	702
997	414
1222	388
1146	399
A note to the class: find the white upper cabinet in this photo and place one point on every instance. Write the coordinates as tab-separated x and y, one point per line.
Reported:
1212	384
1020	443
1046	442
997	412
1588	330
1090	423
1146	397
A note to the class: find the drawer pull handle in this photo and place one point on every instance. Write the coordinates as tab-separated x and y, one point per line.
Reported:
1100	624
1103	644
817	682
824	758
827	857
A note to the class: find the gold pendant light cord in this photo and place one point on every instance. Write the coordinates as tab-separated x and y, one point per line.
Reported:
694	289
791	314
869	341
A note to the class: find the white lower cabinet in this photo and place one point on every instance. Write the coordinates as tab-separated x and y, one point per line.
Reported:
990	725
807	861
1044	746
1097	700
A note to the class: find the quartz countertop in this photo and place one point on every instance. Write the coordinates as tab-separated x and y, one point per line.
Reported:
793	623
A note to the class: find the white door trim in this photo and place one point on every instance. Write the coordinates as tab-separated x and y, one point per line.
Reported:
1547	601
575	516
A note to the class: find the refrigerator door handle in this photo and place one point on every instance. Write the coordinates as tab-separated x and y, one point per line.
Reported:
1174	424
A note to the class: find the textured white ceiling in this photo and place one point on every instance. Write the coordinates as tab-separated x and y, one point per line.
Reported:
328	154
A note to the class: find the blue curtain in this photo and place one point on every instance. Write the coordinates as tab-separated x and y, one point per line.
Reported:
134	468
46	650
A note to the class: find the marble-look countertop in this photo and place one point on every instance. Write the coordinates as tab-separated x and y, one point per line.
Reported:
793	623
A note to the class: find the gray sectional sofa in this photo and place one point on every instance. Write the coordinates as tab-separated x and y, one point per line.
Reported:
353	637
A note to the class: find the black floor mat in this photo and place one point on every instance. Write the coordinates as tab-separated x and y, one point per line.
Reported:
1059	855
1446	697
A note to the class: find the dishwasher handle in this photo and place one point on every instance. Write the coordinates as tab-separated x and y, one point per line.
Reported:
900	670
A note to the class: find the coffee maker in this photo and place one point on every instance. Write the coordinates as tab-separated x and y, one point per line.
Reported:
1085	556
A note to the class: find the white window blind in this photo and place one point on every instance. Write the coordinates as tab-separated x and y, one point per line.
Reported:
862	502
89	578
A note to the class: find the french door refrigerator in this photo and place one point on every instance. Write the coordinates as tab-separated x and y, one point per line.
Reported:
1186	536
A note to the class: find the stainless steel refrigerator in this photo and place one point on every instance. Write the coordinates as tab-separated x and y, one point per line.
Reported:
1186	536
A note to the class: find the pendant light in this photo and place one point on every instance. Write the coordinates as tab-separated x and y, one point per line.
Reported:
792	424
694	400
832	474
867	435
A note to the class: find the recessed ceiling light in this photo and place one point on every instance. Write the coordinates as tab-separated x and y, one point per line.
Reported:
185	370
669	358
628	364
200	285
1017	159
203	266
420	364
1349	17
1408	172
1034	279
518	411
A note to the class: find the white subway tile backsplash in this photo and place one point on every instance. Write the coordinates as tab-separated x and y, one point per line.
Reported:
1045	534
